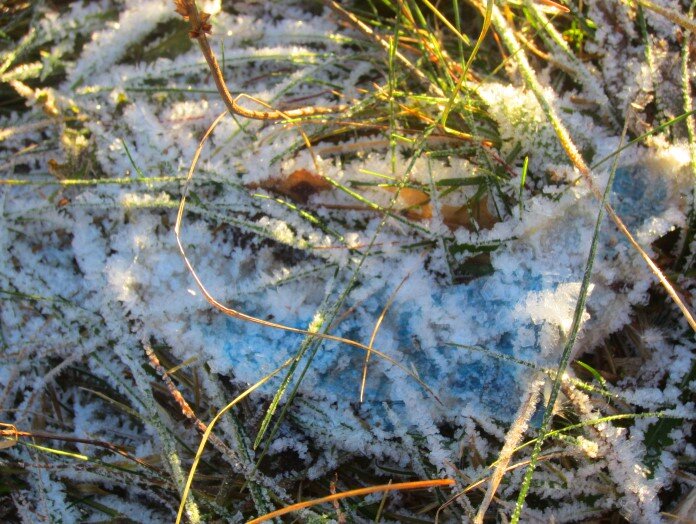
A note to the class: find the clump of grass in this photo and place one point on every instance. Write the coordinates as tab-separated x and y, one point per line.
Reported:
112	428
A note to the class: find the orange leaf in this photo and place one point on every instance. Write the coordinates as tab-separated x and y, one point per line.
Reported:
414	202
409	197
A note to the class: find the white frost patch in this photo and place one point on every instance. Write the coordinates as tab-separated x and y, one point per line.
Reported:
93	268
554	311
108	46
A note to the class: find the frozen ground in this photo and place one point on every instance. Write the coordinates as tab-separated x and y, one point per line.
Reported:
92	270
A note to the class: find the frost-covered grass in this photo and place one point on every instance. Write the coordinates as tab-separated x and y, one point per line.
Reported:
422	272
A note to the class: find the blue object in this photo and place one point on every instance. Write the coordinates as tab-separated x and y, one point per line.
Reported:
488	373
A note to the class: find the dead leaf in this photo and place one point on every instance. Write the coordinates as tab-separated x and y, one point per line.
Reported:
298	185
416	204
464	216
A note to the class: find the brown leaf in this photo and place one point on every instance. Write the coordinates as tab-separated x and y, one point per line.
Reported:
299	185
456	216
416	204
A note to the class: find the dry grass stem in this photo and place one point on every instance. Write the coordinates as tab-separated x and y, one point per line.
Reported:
198	22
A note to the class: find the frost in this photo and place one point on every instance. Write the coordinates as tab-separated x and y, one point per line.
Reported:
554	311
108	46
94	271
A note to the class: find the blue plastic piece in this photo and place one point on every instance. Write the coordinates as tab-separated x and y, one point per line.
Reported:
487	375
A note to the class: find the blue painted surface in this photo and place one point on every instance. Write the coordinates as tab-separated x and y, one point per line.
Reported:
488	306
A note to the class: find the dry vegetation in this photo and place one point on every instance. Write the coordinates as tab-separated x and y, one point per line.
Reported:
381	278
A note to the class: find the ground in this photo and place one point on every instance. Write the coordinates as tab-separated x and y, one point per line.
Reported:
430	242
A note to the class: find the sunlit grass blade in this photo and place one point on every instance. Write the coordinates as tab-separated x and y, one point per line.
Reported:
569	343
401	486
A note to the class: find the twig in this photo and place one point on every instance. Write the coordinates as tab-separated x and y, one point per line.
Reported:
255	320
14	433
183	404
420	484
513	437
200	27
374	334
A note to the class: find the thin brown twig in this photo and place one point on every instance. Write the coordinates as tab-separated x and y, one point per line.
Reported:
401	486
15	434
200	27
375	330
255	320
182	402
512	439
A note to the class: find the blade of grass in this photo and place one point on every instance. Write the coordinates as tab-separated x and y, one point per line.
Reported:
401	486
508	37
570	342
91	181
523	179
594	422
209	429
130	158
684	116
580	384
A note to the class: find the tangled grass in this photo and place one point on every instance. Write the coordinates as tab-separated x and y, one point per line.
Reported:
403	217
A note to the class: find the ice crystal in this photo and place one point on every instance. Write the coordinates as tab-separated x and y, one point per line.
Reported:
99	264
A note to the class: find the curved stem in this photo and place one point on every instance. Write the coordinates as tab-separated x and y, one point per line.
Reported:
199	26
